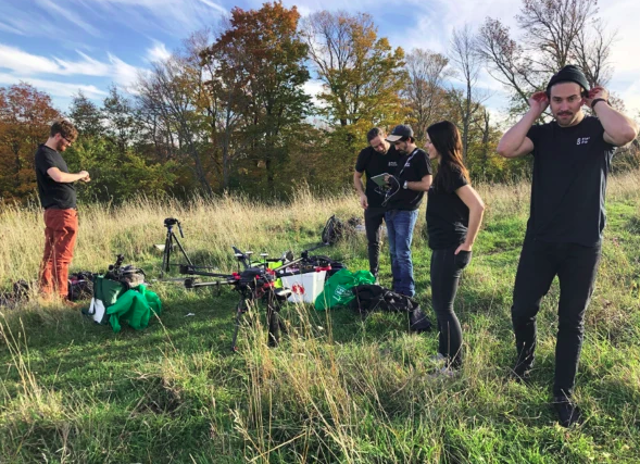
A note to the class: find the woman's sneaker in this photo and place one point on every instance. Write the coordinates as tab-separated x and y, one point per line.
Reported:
568	412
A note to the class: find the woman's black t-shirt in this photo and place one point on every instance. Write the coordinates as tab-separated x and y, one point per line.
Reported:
447	215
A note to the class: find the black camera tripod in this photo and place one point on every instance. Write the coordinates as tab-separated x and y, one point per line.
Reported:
170	242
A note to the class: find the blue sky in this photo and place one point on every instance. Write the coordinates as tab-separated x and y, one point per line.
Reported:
63	46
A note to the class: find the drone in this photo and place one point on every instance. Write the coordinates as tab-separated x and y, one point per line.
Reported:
255	283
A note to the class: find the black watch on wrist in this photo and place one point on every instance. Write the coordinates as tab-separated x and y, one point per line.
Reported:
593	103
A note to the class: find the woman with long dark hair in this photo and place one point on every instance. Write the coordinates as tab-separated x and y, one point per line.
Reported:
454	214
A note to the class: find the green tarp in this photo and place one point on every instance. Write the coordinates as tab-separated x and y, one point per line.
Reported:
134	307
337	290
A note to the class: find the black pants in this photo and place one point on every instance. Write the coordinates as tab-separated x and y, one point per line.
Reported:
372	221
576	267
446	269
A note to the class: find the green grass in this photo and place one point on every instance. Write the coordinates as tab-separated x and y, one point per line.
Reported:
339	388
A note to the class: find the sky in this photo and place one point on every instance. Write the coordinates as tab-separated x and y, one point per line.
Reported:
66	46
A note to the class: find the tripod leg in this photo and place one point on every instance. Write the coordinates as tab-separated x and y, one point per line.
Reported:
166	254
184	253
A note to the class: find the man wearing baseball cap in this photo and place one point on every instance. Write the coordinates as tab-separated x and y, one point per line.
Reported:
409	182
572	157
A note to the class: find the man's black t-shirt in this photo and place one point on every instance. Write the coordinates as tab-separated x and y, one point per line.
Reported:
53	194
569	182
372	163
447	215
412	168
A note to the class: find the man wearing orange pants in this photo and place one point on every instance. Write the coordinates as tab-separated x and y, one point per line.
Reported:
58	198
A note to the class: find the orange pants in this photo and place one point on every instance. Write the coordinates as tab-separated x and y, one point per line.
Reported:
61	230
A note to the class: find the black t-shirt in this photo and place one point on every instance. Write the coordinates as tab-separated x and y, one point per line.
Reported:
372	163
569	182
52	193
447	215
412	168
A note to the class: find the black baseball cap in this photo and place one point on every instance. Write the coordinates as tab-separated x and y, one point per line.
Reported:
400	132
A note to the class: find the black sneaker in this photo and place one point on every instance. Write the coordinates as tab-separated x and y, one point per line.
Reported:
568	412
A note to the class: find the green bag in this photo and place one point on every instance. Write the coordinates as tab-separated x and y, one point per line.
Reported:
337	290
134	307
105	294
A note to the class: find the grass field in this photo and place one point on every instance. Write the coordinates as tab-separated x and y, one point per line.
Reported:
339	388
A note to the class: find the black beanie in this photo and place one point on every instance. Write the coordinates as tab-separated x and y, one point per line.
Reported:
569	73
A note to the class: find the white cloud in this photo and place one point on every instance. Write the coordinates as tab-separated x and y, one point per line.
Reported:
28	21
25	64
178	17
16	60
53	88
158	52
213	5
11	29
68	15
124	74
63	19
313	87
622	16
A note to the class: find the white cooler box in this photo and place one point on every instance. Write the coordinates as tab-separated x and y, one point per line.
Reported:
305	287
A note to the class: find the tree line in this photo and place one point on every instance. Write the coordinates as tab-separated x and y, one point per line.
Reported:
229	110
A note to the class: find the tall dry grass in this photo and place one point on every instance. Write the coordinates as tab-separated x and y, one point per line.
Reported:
214	225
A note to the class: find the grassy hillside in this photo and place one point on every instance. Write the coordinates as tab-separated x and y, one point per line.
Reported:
339	389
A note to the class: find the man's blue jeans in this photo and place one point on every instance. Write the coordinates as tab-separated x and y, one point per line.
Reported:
400	226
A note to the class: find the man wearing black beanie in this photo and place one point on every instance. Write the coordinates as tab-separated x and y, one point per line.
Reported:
572	156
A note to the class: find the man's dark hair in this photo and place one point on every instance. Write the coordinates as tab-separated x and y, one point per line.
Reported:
373	133
64	128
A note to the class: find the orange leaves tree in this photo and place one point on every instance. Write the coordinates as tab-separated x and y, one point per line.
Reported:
258	70
25	118
363	77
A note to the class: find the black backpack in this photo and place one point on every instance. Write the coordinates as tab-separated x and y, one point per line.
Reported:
333	231
371	298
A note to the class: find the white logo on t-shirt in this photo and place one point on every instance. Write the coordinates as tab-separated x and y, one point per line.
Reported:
392	163
582	140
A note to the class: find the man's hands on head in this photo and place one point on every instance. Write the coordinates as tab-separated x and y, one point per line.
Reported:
597	92
538	103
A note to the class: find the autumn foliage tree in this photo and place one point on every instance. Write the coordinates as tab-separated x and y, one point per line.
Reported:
363	76
26	115
263	53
